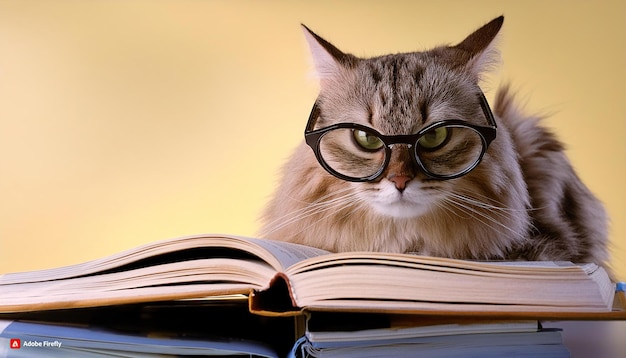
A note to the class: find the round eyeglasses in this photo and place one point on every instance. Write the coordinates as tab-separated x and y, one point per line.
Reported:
443	150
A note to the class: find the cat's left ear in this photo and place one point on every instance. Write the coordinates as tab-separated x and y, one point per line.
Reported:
479	48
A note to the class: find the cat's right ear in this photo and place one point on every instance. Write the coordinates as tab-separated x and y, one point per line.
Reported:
328	60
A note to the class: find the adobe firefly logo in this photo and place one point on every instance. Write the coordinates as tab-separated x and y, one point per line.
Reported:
15	343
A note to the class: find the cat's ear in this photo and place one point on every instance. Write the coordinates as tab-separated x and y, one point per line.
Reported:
479	48
328	60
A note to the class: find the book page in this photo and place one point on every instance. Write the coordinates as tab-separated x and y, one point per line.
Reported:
289	254
393	278
549	268
218	274
279	255
430	330
544	264
108	262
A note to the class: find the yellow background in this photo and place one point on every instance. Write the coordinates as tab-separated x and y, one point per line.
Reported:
124	122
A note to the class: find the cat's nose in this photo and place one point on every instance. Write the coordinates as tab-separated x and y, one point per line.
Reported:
400	181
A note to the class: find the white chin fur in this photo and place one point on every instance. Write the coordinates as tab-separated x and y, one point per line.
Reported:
410	203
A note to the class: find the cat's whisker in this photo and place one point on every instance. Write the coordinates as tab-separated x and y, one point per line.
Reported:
460	203
502	212
322	199
314	209
349	201
473	204
293	216
347	214
465	209
497	210
474	201
502	206
446	210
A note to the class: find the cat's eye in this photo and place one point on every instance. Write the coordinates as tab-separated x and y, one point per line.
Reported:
435	138
367	141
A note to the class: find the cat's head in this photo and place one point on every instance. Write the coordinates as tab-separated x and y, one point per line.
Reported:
407	129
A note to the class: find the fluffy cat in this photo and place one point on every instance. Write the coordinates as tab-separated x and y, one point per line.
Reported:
523	200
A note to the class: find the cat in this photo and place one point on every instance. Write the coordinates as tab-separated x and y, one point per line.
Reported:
520	200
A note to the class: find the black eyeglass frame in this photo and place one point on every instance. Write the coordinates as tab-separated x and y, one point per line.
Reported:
486	133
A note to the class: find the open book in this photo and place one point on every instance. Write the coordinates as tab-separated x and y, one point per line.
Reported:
283	278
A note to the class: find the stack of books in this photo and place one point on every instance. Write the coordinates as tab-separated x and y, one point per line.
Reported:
225	295
371	335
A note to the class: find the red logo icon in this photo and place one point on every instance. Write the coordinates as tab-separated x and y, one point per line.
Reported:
15	343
